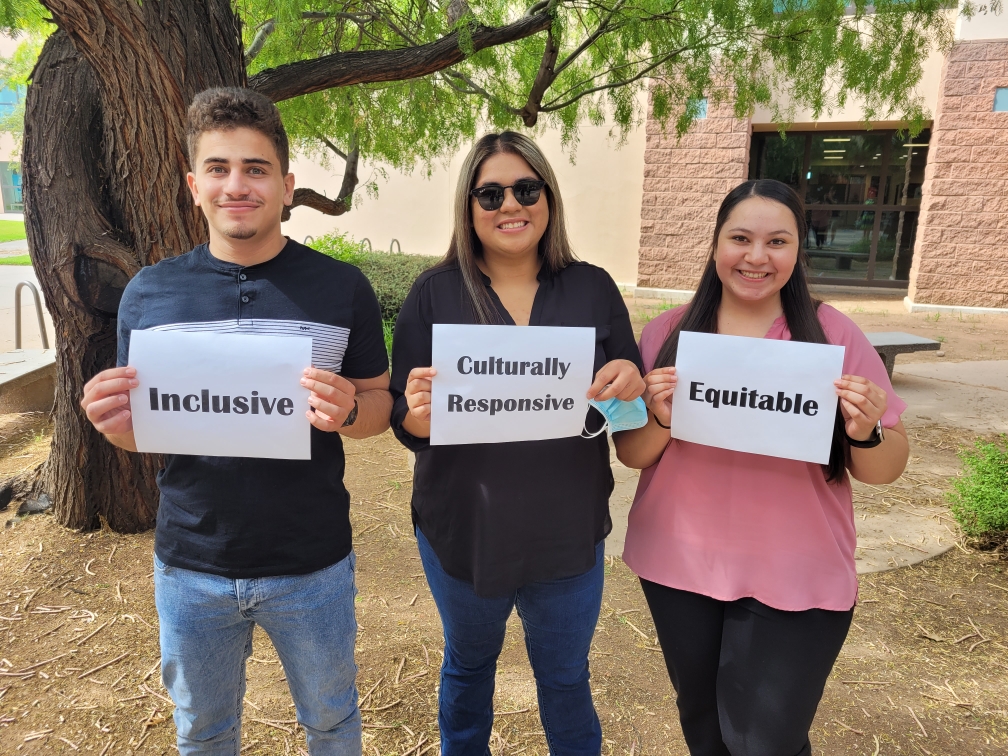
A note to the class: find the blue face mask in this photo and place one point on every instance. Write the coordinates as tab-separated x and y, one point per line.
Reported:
619	415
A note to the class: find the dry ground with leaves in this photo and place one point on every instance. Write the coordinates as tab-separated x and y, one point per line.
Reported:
924	670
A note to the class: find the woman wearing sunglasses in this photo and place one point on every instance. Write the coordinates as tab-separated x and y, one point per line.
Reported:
513	525
747	561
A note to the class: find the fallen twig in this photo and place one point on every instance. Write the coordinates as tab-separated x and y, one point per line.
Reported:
912	714
847	727
100	667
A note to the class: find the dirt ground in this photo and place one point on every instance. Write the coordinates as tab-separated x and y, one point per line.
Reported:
924	670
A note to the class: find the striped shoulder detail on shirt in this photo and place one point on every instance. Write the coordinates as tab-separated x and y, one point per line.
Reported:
329	342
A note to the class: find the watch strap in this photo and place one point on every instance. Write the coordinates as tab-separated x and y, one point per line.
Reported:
351	417
876	438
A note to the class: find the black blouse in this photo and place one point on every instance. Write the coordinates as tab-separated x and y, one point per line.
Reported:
503	515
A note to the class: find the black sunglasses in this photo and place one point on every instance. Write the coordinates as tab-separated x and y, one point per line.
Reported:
491	196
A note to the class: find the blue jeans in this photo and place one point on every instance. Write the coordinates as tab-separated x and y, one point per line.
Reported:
559	617
206	636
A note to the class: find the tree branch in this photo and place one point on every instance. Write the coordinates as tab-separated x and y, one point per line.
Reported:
344	200
372	66
259	40
544	78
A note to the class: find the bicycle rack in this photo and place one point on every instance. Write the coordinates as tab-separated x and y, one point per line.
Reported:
369	247
38	312
398	246
309	239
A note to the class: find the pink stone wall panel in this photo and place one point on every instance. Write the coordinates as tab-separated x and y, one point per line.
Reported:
959	258
684	182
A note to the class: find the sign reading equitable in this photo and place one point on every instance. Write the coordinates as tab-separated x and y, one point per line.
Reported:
220	395
761	396
509	383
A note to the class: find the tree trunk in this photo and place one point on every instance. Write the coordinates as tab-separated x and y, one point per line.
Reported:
104	189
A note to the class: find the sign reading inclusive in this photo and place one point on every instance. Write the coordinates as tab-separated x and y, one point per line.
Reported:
220	395
508	383
761	396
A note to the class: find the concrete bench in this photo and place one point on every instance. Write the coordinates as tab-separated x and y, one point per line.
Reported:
843	259
888	344
27	380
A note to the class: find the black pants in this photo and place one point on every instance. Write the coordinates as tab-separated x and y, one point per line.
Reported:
748	678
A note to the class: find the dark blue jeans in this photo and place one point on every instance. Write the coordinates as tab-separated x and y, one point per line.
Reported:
559	617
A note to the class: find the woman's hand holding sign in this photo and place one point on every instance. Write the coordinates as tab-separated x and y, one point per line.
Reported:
862	404
660	384
620	379
418	399
106	403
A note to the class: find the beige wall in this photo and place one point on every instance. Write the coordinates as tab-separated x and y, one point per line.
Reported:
601	193
851	116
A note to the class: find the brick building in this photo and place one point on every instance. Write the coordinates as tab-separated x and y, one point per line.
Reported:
884	210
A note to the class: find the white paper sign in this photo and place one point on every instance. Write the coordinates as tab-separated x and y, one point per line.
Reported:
220	395
761	396
509	383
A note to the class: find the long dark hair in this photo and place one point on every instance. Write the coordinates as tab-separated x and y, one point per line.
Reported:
554	246
800	309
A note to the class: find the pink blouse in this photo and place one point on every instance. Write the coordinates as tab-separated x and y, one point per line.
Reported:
729	525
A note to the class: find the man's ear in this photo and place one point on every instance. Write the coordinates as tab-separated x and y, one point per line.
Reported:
191	181
288	197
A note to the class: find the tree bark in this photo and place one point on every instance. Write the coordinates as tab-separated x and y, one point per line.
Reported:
104	187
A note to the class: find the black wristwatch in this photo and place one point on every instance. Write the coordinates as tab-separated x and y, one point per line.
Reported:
876	438
352	417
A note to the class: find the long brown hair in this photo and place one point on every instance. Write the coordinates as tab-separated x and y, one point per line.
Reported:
465	247
800	309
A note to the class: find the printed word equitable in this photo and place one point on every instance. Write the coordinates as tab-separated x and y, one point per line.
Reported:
747	398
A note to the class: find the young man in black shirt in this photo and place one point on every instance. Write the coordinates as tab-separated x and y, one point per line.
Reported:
241	542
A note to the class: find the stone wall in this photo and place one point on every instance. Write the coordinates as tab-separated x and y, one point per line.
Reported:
684	183
960	257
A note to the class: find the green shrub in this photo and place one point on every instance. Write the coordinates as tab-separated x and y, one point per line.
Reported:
980	497
391	275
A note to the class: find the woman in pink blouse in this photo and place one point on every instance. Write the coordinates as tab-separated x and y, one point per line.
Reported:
747	561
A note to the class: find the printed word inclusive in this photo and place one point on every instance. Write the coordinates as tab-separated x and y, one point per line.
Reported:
457	404
203	402
499	366
747	398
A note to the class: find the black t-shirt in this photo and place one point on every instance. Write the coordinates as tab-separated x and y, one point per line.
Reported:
503	515
243	517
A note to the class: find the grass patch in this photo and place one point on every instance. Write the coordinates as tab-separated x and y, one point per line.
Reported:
979	499
11	230
19	260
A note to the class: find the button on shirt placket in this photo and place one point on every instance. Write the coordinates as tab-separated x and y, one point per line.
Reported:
244	299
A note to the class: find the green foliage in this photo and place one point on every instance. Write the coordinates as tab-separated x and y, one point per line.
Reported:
18	260
12	230
15	72
391	275
806	53
979	500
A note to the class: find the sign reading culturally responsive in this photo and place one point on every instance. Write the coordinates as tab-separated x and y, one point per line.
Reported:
220	395
761	396
507	383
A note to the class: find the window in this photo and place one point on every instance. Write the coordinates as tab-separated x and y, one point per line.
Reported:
862	192
10	98
1001	99
11	189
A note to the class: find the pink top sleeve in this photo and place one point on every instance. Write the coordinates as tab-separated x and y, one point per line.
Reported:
731	525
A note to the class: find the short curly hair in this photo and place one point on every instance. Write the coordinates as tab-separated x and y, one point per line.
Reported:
227	108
